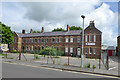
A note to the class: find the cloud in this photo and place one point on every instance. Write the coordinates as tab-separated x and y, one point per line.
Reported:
51	15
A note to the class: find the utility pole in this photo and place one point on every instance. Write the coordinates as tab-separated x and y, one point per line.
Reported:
82	42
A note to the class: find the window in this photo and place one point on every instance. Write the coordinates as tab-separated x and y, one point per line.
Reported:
90	50
29	48
46	40
66	49
90	38
32	40
86	38
26	40
53	40
71	39
78	40
42	40
22	40
29	41
35	40
71	49
94	51
32	48
94	38
56	40
85	50
60	39
66	40
38	40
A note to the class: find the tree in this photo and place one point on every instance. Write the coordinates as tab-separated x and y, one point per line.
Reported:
58	29
7	34
36	31
71	28
75	28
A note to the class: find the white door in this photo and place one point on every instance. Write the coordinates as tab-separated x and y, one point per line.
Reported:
78	51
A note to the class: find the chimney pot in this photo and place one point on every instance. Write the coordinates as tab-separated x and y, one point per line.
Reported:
23	31
92	24
42	29
31	31
68	28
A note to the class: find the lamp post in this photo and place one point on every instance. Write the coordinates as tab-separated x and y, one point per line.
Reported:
82	42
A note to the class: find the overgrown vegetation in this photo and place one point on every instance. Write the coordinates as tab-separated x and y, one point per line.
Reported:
7	34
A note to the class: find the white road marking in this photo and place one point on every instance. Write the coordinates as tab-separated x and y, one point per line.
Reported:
63	70
112	68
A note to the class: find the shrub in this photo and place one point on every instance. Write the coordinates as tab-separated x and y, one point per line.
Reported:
37	57
93	67
14	50
88	65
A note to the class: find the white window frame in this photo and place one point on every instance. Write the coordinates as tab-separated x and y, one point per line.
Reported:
66	39
60	39
66	49
94	50
94	38
90	38
71	39
89	50
86	38
85	50
79	40
71	49
56	40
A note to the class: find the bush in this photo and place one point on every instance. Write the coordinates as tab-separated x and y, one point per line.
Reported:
73	55
60	53
37	57
14	50
93	67
88	65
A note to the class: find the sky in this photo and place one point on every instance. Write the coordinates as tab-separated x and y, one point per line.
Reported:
50	15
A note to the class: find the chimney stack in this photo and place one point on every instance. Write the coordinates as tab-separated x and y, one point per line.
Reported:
92	24
31	31
68	28
23	31
42	29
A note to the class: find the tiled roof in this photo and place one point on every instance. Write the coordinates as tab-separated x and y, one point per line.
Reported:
56	33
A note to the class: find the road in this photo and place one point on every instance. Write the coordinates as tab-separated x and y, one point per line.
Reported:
22	71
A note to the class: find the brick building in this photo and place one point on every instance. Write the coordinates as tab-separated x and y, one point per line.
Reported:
118	45
69	41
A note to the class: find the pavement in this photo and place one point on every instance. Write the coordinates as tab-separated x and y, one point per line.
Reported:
60	64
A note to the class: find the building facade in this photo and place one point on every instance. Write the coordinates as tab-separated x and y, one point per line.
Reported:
69	41
118	46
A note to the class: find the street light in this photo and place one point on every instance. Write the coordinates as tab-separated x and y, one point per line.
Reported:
82	42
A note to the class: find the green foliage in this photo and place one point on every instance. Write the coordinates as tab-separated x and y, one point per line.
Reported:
7	34
36	31
88	65
58	29
37	57
60	53
49	51
14	50
75	28
71	28
73	55
2	54
93	67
